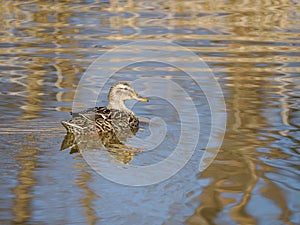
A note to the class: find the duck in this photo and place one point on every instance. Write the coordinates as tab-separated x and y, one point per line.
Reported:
114	118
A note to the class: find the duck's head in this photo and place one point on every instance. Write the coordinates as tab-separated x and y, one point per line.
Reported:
120	92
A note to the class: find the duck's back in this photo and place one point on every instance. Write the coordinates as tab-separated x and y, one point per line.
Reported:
95	110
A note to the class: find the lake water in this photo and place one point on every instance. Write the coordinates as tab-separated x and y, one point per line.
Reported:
252	48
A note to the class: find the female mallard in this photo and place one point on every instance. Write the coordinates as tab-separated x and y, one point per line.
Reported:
115	117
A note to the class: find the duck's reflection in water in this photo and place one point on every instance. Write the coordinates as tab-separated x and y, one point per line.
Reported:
110	142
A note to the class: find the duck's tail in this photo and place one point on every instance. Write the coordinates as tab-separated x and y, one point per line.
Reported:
71	127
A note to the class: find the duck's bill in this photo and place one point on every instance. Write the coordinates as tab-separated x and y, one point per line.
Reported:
141	99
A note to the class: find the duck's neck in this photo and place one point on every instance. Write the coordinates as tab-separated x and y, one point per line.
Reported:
118	105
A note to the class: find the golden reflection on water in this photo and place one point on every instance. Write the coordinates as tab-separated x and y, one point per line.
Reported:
233	171
89	196
26	181
252	44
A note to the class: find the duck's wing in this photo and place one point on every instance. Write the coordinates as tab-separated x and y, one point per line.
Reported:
103	120
94	110
99	116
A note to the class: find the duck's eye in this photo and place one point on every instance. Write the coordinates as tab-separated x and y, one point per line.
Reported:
126	89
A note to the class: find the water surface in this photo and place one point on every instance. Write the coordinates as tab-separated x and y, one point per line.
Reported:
251	46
